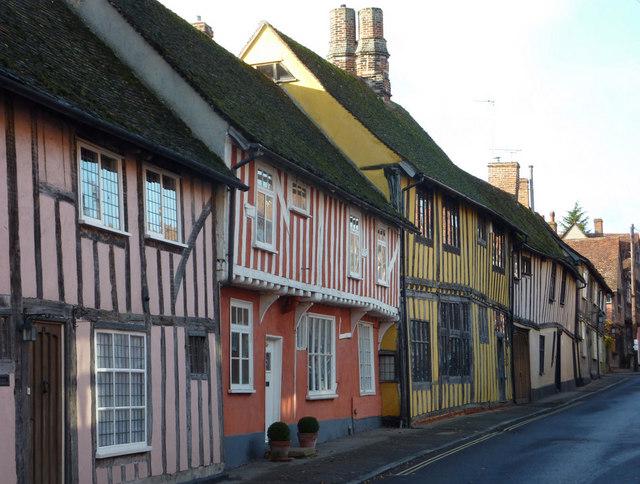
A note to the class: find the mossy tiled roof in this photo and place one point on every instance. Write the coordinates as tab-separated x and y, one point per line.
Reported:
396	128
46	49
251	103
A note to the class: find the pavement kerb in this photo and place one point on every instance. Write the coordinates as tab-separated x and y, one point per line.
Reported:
495	428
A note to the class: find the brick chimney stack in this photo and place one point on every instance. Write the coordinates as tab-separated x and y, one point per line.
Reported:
598	226
523	191
552	222
372	57
342	41
203	27
506	177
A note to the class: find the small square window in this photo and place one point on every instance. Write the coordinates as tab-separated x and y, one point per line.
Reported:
299	200
198	355
387	366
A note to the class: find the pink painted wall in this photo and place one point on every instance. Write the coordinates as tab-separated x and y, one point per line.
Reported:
5	287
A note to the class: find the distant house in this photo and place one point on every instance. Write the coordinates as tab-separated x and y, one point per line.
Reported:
309	257
109	324
610	254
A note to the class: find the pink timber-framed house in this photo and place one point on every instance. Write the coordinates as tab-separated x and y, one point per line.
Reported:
109	329
310	268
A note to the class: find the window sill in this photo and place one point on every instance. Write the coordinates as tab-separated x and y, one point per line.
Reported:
382	283
420	239
300	212
356	277
322	396
122	450
451	249
165	241
266	248
98	225
367	394
242	390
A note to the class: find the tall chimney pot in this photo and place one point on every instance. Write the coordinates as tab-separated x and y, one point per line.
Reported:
552	222
203	27
372	56
342	38
598	226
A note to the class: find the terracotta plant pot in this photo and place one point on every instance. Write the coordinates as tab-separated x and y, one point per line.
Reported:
279	450
308	439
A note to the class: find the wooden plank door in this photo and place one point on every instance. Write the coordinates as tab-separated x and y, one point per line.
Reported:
46	404
521	365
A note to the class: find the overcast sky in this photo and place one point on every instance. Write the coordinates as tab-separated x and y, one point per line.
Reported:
564	76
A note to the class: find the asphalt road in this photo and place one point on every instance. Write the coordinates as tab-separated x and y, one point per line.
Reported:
596	439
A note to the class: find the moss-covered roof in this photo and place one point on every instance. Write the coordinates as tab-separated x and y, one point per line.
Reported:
46	49
253	104
396	128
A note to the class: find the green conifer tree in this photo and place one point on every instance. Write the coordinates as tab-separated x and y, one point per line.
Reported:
576	216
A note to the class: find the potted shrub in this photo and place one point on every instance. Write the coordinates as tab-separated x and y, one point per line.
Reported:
308	431
279	441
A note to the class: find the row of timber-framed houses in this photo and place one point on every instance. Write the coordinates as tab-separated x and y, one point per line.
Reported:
196	251
465	293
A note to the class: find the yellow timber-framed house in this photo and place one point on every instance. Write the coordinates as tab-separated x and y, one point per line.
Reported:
452	346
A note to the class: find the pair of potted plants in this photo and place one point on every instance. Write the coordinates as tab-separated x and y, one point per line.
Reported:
280	437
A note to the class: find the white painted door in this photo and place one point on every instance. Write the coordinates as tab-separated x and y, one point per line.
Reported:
273	381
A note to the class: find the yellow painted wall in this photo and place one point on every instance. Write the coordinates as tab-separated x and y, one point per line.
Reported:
348	134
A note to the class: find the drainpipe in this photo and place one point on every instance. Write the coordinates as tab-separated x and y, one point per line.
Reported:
511	328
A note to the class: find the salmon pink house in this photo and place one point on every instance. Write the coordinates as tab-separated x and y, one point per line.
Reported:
312	289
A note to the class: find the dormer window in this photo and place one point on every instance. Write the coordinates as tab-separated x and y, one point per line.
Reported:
276	72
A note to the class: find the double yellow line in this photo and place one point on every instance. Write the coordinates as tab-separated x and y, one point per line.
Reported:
438	457
484	438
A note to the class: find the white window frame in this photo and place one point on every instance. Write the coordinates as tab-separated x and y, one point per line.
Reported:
241	387
329	392
98	222
176	178
371	363
301	210
267	193
382	281
355	274
134	447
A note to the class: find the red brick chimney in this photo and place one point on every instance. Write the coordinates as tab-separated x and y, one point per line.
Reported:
552	222
598	226
342	38
372	57
203	27
523	191
506	177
